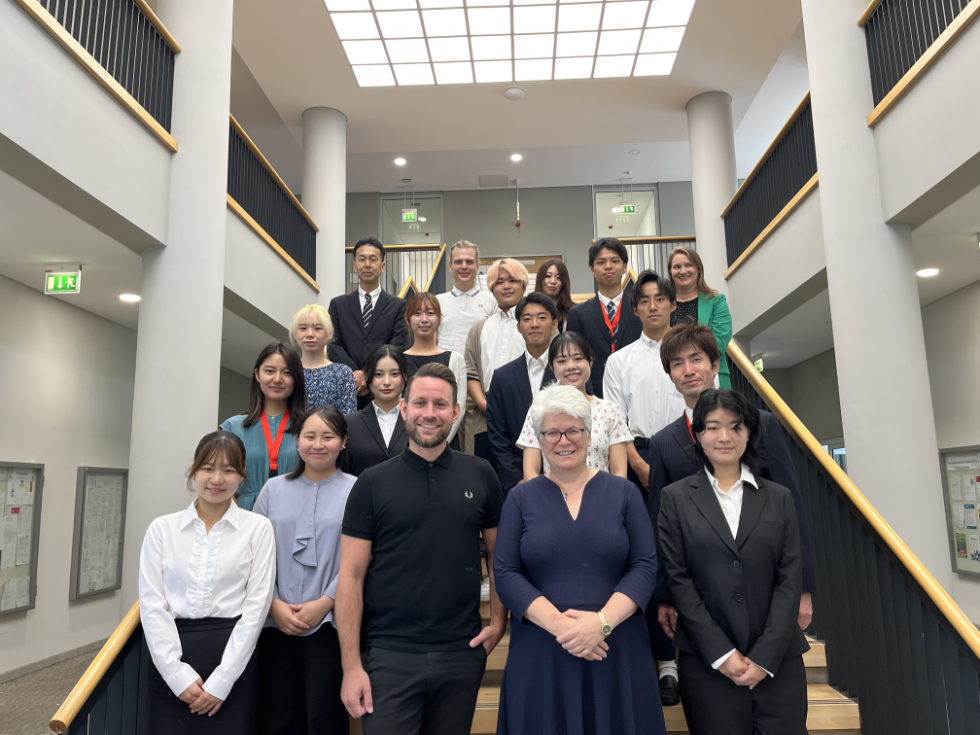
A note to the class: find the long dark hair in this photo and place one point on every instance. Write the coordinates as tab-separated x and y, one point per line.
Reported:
336	421
730	400
563	300
371	364
256	399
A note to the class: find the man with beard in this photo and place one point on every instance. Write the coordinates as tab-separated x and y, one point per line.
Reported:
410	572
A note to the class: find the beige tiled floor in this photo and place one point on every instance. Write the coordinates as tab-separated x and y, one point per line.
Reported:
27	703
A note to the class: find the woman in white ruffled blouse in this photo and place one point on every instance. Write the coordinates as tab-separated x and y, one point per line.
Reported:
205	582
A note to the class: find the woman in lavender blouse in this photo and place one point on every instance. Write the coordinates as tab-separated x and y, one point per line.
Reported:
298	649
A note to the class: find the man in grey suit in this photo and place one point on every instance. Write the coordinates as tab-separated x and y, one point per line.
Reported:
367	318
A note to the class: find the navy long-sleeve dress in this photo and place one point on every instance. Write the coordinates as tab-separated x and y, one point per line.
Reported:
541	551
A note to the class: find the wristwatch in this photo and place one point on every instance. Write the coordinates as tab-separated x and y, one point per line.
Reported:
606	627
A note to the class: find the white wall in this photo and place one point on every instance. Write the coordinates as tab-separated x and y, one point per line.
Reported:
233	395
68	399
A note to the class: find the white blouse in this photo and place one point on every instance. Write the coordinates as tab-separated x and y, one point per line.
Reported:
608	428
186	572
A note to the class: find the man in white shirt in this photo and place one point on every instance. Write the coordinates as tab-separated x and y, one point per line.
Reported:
492	343
463	307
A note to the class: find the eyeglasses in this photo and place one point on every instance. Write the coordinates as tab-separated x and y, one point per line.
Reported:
553	436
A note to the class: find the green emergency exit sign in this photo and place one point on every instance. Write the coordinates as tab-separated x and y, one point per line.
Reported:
410	215
628	208
67	282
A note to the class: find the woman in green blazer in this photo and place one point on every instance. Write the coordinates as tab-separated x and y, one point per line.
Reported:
698	302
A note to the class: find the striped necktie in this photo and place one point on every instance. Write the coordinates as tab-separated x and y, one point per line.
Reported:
368	309
611	311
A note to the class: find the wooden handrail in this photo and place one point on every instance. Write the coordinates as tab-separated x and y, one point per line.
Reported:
868	12
658	238
404	289
96	670
630	273
432	273
161	29
765	156
426	246
940	598
268	167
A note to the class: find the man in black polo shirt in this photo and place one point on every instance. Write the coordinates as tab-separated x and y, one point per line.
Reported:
410	572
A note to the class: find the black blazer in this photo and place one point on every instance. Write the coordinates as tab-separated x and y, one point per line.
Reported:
672	459
741	592
587	320
366	442
507	406
350	344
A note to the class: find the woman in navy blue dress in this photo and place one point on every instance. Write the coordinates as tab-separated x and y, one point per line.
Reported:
575	563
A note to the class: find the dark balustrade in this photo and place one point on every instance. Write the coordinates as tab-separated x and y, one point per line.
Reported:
118	34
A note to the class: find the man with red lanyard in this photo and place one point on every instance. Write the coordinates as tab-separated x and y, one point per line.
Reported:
606	320
635	381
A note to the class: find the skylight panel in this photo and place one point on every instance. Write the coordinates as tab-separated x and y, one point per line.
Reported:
539	46
393	4
485	3
374	76
658	40
413	74
579	17
348	5
619	42
365	52
353	26
408	51
450	49
489	48
576	44
493	71
444	22
535	19
654	65
613	66
630	14
488	21
537	2
532	70
400	24
455	73
669	13
440	4
580	68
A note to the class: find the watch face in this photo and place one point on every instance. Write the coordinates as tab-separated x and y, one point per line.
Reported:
606	629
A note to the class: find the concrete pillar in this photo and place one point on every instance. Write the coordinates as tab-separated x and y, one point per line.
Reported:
885	397
711	138
178	354
325	193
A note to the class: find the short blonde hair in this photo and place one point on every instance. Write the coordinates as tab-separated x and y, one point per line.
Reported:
464	245
509	266
318	313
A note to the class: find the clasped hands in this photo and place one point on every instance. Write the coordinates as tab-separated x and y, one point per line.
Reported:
200	701
580	633
296	619
742	670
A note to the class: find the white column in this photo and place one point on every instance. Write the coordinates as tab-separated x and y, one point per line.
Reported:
178	354
885	397
711	138
325	193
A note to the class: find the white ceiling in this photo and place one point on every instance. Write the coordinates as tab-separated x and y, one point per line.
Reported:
948	242
570	132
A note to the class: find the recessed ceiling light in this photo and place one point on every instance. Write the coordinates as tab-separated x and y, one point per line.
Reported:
516	93
927	272
129	298
515	157
399	161
422	219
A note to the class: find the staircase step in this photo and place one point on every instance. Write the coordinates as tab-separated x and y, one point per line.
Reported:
829	710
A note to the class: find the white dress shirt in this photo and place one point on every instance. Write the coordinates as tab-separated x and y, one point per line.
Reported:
605	301
361	293
180	577
636	382
386	421
535	371
500	343
731	508
460	311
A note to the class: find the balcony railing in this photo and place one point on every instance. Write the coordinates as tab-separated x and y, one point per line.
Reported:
781	179
423	264
255	187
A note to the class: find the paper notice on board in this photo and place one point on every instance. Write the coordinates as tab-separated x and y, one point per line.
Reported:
8	600
970	511
959	517
973	544
969	488
20	487
962	462
955	488
22	596
960	545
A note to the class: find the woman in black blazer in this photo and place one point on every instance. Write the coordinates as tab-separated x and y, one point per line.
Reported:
386	373
730	548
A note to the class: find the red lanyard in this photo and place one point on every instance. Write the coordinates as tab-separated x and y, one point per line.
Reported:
273	447
689	430
611	325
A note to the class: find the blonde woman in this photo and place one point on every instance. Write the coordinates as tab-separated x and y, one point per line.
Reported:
327	383
698	303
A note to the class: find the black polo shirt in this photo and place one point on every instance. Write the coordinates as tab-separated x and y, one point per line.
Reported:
423	519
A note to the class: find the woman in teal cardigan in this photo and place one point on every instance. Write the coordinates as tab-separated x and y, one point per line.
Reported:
276	402
698	302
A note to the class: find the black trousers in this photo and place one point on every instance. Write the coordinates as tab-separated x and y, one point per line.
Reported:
300	678
202	644
423	693
715	705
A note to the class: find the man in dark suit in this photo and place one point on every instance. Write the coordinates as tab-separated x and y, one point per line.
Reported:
516	383
367	318
606	320
690	357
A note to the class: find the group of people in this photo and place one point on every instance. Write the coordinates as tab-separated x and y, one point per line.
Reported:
585	467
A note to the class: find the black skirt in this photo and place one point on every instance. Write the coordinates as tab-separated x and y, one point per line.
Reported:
202	643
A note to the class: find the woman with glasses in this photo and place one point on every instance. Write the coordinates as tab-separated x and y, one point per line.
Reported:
575	562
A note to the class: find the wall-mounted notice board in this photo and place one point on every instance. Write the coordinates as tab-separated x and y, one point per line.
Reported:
960	469
20	527
97	544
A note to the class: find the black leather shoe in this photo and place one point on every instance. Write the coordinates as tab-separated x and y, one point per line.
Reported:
669	695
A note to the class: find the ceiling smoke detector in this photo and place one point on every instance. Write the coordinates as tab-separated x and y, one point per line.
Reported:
514	93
